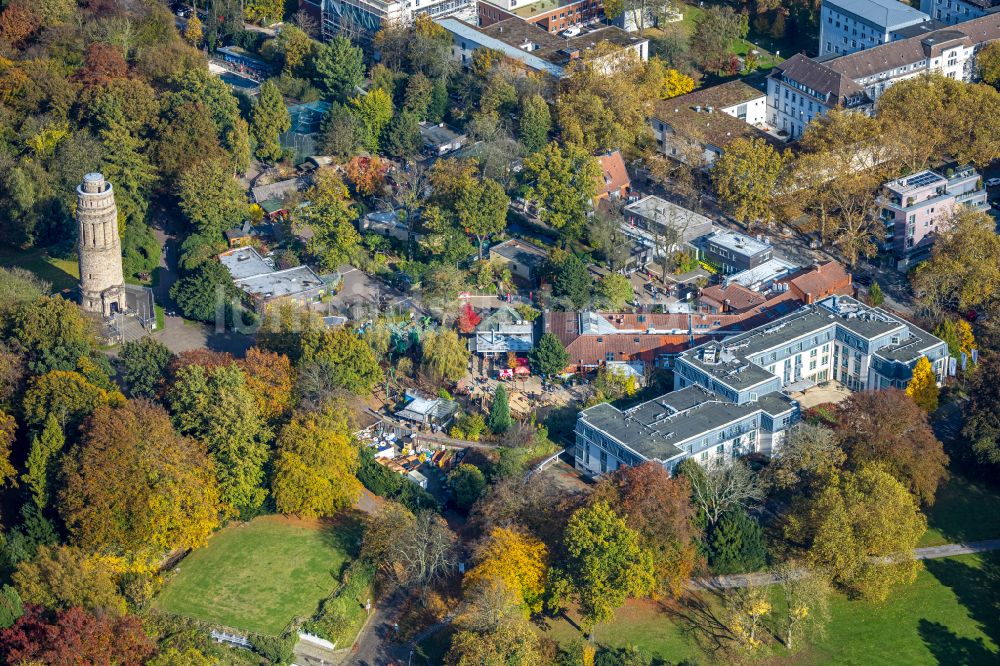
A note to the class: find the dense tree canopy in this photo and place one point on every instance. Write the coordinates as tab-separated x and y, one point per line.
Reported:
136	488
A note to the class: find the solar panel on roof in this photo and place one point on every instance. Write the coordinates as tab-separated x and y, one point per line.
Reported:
922	179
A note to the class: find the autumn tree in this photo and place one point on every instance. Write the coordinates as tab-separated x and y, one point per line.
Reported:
135	488
519	560
373	113
193	31
270	379
210	198
418	550
745	178
616	290
721	487
806	611
444	356
315	464
144	362
343	361
810	455
52	331
65	577
510	641
67	395
336	241
988	59
75	636
366	174
216	407
330	216
888	427
482	210
964	269
714	35
468	319
959	336
746	607
922	387
862	529
8	427
604	564
658	507
563	184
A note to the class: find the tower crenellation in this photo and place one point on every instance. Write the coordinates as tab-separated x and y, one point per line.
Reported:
102	282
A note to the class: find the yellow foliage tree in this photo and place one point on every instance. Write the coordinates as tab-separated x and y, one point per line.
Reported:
923	386
193	31
675	84
519	560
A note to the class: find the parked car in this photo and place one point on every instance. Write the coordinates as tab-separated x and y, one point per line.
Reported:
992	182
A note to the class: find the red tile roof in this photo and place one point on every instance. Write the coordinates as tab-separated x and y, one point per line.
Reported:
817	282
614	175
732	299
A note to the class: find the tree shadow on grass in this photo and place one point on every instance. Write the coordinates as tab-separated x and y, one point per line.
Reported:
948	648
978	590
698	620
343	533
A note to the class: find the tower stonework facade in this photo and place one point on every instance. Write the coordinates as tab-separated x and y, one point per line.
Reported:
102	284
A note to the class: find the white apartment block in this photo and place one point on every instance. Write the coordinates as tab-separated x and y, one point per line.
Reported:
951	12
731	398
847	26
361	19
802	88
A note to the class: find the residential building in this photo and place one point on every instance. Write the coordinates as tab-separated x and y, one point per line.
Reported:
806	285
440	139
531	47
361	19
239	236
432	412
951	12
800	88
651	221
847	26
389	224
733	252
261	284
696	128
761	277
730	397
916	208
503	331
594	339
613	184
524	260
551	15
837	338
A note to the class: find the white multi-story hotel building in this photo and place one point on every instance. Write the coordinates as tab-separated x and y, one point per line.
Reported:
731	397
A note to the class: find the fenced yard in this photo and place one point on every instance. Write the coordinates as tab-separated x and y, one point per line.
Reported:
259	576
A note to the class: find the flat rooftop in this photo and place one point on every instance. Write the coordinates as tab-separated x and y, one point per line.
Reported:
737	242
244	262
665	212
888	13
281	283
554	47
916	181
654	429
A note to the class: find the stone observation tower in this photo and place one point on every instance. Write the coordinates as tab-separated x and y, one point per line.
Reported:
102	285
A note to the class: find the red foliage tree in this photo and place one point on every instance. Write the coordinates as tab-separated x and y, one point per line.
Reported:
659	508
206	358
18	22
468	319
888	427
366	174
75	638
103	64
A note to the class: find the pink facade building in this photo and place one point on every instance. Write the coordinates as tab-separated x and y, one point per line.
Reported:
918	207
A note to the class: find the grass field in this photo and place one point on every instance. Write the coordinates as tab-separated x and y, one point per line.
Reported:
61	273
948	616
965	510
258	576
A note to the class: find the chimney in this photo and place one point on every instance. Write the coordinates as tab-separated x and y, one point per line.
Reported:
725	305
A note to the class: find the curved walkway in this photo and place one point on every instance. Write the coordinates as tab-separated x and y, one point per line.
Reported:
765	578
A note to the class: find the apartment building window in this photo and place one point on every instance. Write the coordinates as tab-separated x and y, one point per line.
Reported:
720	449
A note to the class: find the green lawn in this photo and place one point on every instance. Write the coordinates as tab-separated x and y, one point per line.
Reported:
61	273
258	576
948	616
965	510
